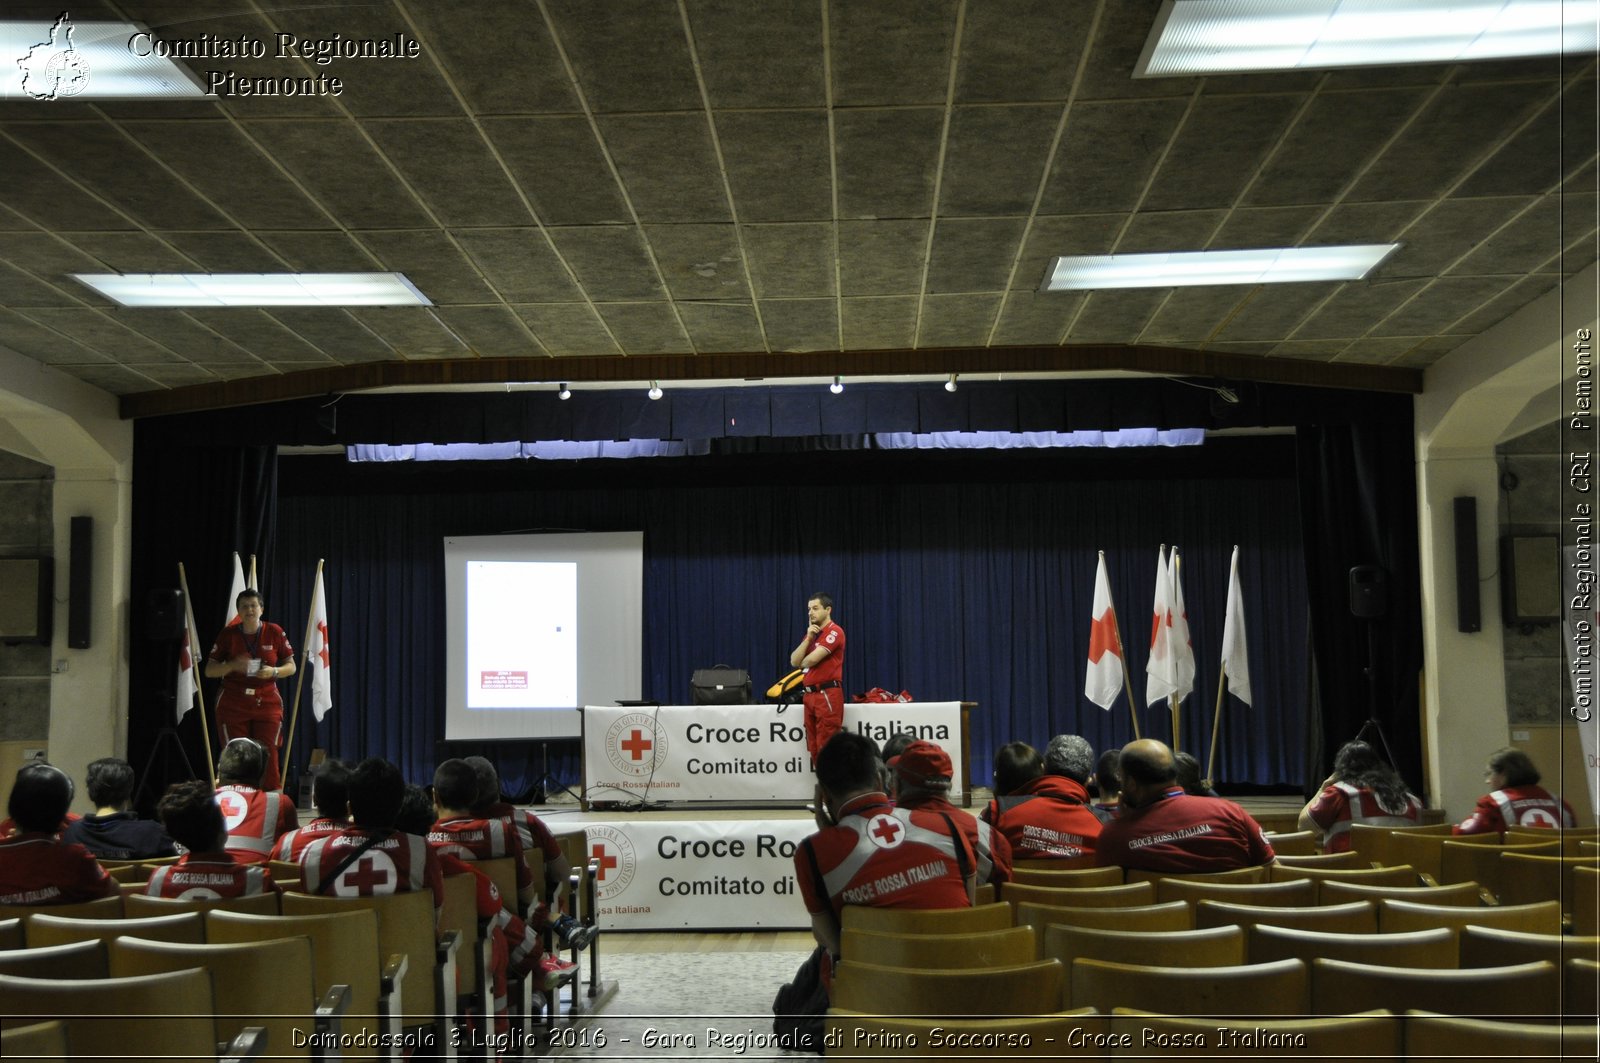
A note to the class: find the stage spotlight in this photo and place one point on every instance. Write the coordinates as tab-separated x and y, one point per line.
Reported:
837	387
950	385
565	393
655	389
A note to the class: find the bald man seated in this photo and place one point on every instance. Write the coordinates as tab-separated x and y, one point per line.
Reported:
1161	828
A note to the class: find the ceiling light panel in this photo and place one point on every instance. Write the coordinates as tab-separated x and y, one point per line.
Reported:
1196	37
1271	265
63	59
256	289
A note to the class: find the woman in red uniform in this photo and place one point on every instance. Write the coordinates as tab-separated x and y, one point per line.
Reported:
250	657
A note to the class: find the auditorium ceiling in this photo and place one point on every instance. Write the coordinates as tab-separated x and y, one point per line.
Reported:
618	190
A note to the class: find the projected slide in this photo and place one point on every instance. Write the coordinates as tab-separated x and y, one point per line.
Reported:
522	634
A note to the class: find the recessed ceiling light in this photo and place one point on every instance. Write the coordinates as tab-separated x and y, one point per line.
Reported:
1193	37
62	59
1268	265
256	289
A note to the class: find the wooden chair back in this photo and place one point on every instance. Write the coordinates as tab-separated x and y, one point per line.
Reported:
257	983
1175	916
1237	875
984	893
927	920
1079	877
1425	852
140	905
1580	987
1251	989
1294	843
1289	893
1128	895
405	926
1488	946
1458	894
11	935
59	930
285	870
880	1036
1461	861
987	948
1375	844
1586	900
1348	858
1542	918
1399	875
1571	839
1528	877
1372	1035
168	1014
41	1040
344	951
102	908
1341	987
502	871
1356	917
460	913
1221	946
1416	948
1278	822
1021	989
1431	1036
77	959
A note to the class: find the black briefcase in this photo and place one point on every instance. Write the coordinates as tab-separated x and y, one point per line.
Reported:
719	685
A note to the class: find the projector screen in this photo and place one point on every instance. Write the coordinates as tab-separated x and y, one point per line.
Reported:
538	625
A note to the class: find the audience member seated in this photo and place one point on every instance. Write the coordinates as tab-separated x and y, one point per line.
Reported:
1106	786
371	858
866	851
330	796
458	832
36	867
534	836
922	772
1189	776
8	826
892	747
1361	789
1161	828
208	871
255	818
1044	811
114	832
1516	798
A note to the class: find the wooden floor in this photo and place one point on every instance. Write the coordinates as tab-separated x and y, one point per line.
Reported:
700	941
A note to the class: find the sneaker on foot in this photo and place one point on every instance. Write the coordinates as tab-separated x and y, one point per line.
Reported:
572	934
556	972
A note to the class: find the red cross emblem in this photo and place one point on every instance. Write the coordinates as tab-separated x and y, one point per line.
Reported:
322	629
607	861
885	832
366	876
636	744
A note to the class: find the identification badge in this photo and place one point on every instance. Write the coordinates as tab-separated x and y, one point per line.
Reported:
249	691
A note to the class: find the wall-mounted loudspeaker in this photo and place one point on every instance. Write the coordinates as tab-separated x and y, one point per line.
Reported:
1468	617
163	614
1369	592
80	575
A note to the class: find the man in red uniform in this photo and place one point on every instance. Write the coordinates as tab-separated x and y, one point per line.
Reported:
1161	828
36	867
922	773
254	817
469	837
821	654
330	796
870	852
371	858
1046	814
250	657
1516	799
207	871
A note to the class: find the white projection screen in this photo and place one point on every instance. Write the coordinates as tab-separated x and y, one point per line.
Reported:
538	625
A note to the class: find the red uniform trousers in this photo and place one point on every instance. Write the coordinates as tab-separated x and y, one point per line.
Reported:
824	717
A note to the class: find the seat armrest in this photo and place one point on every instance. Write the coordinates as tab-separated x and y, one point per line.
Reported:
391	980
248	1043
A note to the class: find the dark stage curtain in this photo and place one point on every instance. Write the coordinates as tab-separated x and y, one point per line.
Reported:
963	577
1358	507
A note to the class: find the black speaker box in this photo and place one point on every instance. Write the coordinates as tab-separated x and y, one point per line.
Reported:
80	577
163	614
1369	592
1468	617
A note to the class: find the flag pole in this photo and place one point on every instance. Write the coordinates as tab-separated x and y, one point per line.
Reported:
1216	721
194	659
252	584
1172	707
1127	680
311	619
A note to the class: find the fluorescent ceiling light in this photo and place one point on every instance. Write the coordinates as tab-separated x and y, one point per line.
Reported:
256	289
67	60
1269	265
1193	37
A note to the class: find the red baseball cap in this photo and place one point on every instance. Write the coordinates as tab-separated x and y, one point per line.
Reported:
923	760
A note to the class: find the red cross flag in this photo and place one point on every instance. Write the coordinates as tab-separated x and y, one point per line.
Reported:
318	653
1102	681
1161	670
1235	654
237	588
1182	649
188	681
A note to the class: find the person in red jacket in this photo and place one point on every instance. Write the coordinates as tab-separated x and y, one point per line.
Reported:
207	871
250	658
330	796
1515	799
36	867
922	774
821	654
1044	811
255	817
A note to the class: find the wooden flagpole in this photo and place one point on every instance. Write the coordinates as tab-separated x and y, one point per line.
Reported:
1216	721
305	645
1127	680
251	582
199	672
1172	707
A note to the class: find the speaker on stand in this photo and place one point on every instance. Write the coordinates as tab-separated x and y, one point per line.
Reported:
1369	602
164	625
